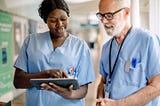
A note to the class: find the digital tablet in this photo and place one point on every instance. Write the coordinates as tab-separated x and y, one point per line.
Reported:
64	82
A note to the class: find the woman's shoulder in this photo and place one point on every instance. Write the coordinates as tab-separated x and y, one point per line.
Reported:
75	38
77	41
36	37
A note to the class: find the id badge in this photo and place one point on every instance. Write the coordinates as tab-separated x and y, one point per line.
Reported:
107	93
127	66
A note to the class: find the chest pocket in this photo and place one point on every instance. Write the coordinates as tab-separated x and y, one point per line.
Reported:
132	74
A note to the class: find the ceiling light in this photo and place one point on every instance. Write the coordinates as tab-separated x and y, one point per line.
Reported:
76	1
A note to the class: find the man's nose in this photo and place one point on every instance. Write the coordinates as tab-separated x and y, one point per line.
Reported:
104	20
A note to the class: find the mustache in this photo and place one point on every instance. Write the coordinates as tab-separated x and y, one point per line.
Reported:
108	26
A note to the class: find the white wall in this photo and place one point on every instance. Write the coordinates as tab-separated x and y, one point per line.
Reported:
144	20
154	21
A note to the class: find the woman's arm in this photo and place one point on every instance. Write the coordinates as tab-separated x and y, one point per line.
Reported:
22	78
67	93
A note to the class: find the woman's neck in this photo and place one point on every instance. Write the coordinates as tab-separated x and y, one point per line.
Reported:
58	41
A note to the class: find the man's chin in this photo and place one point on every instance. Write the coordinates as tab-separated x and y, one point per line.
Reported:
109	33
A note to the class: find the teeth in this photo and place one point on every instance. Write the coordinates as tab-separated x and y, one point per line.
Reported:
106	25
60	30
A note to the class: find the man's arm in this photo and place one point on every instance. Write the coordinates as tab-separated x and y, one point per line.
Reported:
100	89
144	95
139	98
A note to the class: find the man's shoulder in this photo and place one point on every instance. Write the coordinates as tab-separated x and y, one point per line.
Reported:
107	43
143	33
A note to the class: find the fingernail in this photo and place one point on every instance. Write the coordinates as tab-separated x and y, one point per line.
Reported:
43	84
50	83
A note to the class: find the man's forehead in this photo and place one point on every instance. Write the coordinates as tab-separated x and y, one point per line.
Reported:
108	6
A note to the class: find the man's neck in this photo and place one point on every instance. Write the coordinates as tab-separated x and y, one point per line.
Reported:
122	35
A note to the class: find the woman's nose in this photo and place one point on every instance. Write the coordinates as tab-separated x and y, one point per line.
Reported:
58	22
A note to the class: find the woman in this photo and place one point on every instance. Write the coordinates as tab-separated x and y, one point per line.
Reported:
54	54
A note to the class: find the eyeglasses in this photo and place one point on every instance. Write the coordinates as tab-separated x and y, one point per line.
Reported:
108	16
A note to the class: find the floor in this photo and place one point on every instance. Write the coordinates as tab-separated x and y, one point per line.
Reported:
91	95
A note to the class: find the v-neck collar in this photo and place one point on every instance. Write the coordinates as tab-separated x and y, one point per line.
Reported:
129	36
49	40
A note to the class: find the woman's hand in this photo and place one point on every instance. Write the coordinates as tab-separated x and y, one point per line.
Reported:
67	93
55	73
22	78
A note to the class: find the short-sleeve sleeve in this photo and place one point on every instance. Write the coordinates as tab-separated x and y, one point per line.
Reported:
21	61
153	60
103	60
102	71
85	68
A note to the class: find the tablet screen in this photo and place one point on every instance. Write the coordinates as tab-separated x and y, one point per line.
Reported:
64	82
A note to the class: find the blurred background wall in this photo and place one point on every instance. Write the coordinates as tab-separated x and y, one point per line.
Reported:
18	18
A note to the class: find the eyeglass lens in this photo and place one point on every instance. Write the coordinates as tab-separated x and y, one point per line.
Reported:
108	16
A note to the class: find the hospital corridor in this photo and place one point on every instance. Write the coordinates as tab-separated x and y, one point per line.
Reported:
20	18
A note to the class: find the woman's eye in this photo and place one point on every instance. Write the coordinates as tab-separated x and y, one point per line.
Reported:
63	19
52	20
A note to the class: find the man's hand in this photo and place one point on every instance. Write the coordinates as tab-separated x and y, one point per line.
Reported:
106	102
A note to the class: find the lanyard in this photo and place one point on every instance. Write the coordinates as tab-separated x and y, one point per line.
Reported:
112	70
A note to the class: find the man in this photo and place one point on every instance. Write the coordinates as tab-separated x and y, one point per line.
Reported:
130	60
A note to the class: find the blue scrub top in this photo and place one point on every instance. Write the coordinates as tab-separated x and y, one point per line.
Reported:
37	54
138	61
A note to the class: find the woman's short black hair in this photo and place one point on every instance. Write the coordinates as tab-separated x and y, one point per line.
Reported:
49	5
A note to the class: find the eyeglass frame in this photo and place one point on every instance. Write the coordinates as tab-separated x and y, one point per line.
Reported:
100	15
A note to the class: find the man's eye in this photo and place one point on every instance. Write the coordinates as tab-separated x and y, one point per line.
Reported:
108	15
